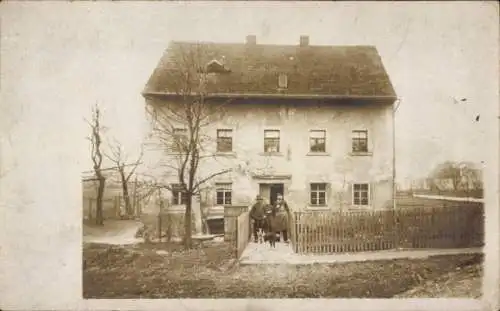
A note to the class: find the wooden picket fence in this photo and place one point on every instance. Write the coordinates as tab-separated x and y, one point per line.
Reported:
111	207
456	226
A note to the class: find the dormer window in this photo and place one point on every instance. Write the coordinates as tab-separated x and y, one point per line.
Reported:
214	66
282	81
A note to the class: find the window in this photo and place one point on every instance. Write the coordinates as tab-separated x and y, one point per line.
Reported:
318	194
179	140
224	140
282	81
359	141
360	193
179	197
271	141
223	192
317	141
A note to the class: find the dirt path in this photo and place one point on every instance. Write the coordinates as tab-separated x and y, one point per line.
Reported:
117	232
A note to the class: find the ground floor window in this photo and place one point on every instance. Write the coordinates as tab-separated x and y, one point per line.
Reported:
223	192
360	194
318	194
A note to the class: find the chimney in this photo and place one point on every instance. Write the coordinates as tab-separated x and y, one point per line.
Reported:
304	40
251	40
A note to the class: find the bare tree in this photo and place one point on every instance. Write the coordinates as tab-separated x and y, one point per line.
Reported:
181	126
464	176
448	171
96	154
119	158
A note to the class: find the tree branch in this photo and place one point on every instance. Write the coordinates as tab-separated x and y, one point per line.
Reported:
210	177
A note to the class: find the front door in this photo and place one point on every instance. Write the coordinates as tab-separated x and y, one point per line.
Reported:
275	189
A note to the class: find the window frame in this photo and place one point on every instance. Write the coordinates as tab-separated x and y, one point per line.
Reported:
175	137
222	187
272	139
222	138
317	192
282	81
315	138
367	191
179	197
357	139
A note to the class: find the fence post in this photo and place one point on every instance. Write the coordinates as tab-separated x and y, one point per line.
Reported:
118	202
160	220
395	220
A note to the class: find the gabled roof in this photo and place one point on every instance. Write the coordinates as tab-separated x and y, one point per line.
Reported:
254	69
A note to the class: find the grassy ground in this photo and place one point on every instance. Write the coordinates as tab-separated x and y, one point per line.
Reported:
463	282
140	272
404	201
450	193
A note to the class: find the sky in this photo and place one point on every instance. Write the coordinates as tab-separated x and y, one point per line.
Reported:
60	58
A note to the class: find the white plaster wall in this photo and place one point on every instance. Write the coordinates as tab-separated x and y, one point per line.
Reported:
337	166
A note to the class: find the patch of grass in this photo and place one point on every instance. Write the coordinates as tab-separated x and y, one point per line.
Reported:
140	272
465	281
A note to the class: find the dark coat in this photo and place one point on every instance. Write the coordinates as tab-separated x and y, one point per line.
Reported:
258	211
278	217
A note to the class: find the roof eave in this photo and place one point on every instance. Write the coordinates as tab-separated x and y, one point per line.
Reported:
146	94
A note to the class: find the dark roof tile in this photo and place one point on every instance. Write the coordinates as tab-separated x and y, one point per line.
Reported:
254	69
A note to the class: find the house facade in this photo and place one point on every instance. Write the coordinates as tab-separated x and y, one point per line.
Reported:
314	123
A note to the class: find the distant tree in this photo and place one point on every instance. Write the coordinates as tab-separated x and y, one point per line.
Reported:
463	175
448	171
97	156
472	179
119	157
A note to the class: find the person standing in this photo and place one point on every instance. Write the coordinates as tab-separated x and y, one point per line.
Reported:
281	219
257	214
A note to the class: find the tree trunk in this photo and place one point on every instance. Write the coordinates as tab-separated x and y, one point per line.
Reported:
188	243
204	221
100	194
126	196
134	207
196	208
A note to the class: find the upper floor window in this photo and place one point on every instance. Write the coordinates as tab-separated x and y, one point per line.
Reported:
318	194
224	193
317	141
178	195
224	140
282	81
360	194
179	139
271	141
360	141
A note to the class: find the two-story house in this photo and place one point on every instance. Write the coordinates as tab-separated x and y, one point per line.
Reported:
315	123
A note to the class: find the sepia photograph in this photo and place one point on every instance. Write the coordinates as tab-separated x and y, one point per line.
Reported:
227	150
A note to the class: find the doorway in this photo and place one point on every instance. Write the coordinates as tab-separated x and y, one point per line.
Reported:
274	190
270	191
